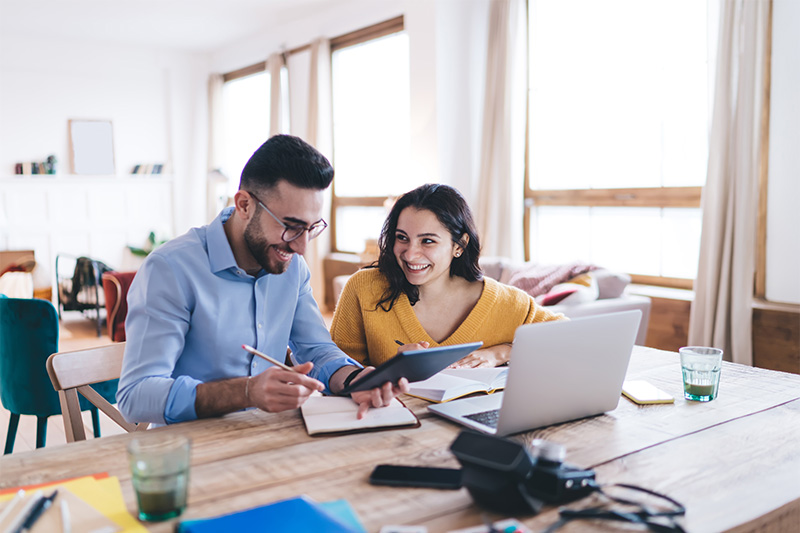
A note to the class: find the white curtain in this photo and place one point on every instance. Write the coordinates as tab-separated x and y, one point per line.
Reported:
722	309
319	133
275	63
216	183
499	212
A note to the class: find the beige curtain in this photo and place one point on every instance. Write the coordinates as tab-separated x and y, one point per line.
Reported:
319	133
722	309
499	211
275	63
216	183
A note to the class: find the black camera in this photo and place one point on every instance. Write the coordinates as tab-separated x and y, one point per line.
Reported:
503	476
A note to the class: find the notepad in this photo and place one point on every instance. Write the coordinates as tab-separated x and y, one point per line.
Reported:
337	414
453	383
295	514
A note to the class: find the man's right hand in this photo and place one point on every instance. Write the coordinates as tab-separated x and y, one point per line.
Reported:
276	390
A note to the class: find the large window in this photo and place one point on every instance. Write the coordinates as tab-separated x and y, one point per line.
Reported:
246	118
371	124
618	129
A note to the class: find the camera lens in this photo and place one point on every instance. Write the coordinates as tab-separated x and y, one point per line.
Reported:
549	452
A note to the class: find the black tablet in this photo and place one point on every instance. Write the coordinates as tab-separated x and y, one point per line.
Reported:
414	365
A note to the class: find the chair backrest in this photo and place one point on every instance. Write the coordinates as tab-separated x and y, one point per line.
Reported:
28	335
115	286
73	372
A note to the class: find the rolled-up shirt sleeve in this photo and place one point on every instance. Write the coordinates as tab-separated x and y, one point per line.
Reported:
159	315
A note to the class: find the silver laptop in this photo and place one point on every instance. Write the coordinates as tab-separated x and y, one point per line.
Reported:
559	371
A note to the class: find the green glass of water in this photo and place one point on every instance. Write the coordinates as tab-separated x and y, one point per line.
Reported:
160	474
701	369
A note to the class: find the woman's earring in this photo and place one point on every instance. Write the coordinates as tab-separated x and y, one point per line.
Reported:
458	254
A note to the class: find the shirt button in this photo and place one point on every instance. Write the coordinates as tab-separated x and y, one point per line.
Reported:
239	272
254	364
259	325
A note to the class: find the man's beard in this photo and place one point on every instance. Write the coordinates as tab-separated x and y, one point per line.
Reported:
258	246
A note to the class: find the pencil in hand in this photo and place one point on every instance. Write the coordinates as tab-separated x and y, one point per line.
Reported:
268	358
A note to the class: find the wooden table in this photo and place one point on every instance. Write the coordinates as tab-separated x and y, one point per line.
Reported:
734	462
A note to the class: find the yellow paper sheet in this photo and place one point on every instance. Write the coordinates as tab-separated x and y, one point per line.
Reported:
103	495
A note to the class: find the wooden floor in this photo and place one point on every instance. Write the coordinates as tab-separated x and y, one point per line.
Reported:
76	332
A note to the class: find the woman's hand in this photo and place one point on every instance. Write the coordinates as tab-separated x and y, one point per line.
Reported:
415	346
485	357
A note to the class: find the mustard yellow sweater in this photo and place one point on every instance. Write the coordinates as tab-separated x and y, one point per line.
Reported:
368	335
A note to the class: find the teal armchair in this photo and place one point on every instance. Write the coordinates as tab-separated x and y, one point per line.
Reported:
28	335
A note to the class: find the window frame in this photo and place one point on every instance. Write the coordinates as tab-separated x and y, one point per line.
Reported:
375	31
614	197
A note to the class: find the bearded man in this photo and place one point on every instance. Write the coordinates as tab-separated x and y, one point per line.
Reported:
239	280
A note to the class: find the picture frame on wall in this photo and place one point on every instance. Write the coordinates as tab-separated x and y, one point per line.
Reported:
91	147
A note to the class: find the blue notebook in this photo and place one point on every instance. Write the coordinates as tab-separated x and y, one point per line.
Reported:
295	514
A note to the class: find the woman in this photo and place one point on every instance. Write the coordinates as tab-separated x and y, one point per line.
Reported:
428	289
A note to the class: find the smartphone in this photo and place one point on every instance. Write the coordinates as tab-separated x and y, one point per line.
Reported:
416	476
643	392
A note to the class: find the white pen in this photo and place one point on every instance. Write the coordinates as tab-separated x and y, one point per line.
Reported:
13	503
66	525
268	358
16	524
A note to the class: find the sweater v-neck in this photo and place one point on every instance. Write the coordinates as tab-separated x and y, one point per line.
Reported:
465	332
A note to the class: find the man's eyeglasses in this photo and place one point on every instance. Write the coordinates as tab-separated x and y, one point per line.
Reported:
292	232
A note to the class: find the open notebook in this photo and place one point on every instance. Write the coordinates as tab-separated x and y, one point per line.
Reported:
338	415
452	383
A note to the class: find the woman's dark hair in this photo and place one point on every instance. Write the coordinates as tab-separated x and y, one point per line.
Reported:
453	212
288	158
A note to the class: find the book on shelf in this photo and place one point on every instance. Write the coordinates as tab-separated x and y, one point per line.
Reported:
338	415
452	383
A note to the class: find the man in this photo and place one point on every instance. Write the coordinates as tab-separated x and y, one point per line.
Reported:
239	280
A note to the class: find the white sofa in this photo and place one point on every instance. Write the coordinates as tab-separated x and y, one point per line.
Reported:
611	288
612	295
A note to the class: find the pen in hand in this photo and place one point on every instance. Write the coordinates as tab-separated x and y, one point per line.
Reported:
268	358
398	342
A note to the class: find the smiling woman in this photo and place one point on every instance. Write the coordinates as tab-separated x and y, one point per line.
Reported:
427	287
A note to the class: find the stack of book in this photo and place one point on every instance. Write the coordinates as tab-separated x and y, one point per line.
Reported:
148	168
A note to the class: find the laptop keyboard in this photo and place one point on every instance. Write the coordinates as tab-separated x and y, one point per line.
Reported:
487	418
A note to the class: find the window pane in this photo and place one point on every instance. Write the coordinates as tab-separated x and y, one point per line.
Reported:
617	99
560	235
680	244
647	241
371	117
245	104
627	239
355	225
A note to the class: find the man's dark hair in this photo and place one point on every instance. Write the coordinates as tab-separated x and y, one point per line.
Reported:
284	157
453	212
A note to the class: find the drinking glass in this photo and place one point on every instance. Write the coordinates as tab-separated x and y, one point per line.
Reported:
701	368
160	474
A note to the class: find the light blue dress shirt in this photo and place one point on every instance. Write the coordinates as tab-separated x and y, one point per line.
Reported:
190	309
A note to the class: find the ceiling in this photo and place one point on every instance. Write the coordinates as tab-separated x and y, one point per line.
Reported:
188	25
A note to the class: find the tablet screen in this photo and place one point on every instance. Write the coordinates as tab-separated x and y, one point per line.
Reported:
414	365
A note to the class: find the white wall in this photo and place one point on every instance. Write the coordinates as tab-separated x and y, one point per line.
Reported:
783	215
156	100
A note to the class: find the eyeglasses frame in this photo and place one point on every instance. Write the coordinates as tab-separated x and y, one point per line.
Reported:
286	227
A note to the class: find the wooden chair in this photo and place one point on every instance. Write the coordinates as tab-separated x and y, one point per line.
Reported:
73	372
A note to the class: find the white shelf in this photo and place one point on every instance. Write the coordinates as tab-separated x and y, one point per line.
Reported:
77	178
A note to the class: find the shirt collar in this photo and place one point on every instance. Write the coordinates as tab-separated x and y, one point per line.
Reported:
220	255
